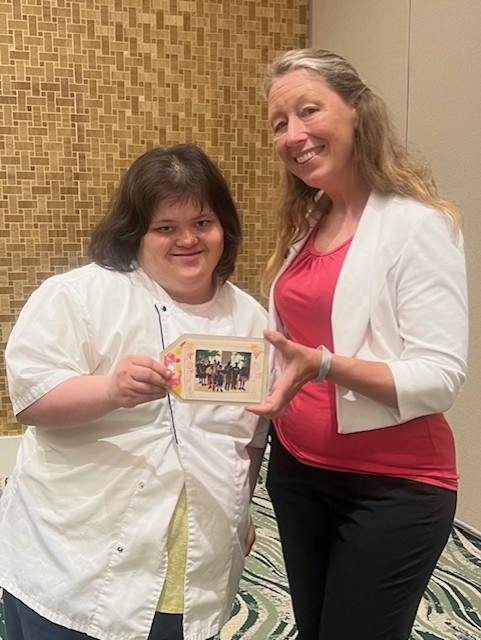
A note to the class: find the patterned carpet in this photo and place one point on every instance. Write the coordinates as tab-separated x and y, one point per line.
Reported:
450	609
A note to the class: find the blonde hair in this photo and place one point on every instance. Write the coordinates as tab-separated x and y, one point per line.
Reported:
385	163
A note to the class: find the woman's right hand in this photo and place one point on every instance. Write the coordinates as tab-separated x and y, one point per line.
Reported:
81	399
138	379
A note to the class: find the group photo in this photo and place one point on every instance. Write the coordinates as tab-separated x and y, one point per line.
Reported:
222	370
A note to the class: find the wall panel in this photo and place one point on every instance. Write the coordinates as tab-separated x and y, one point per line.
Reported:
445	124
373	35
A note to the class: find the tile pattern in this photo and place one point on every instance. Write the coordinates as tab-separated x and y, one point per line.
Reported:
450	609
88	85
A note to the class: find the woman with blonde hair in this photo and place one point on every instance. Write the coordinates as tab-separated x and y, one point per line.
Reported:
368	314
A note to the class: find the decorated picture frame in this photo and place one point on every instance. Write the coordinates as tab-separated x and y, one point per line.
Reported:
218	369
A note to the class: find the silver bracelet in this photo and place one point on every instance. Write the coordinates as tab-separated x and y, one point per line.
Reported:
325	364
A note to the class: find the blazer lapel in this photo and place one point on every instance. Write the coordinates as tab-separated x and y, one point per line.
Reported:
352	297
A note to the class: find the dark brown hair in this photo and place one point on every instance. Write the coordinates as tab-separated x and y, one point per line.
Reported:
164	174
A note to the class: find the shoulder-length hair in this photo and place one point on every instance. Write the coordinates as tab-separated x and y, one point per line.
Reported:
179	173
383	160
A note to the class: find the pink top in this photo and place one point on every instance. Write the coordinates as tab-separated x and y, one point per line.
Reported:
421	449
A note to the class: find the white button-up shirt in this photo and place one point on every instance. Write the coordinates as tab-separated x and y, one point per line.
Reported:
85	515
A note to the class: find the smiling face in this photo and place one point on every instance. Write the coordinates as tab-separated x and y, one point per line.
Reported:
313	130
181	249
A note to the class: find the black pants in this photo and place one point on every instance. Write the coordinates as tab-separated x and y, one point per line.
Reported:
21	623
359	548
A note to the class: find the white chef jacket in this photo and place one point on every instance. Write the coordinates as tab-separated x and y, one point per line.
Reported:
401	298
84	518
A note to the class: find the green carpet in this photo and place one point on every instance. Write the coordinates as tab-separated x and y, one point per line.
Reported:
450	609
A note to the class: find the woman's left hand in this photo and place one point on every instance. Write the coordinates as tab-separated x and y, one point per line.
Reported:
249	539
300	364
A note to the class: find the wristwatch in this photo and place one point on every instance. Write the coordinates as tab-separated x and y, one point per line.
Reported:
325	364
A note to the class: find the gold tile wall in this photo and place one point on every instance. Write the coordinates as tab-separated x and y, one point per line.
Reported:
88	85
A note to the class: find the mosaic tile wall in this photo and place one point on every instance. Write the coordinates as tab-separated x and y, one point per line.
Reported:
88	85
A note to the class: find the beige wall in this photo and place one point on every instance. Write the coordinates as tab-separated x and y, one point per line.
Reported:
372	35
425	58
85	87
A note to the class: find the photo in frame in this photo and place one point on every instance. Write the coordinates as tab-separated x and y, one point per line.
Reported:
218	369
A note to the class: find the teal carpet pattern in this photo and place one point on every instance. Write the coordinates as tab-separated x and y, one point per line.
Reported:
450	609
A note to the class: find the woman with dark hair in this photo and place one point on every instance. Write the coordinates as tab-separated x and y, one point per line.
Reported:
127	515
369	316
182	173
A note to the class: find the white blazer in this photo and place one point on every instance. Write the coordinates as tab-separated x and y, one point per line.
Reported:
401	299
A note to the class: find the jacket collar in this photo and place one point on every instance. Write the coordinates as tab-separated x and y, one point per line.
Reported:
352	298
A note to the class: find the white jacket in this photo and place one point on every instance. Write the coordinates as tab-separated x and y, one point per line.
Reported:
85	515
401	299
